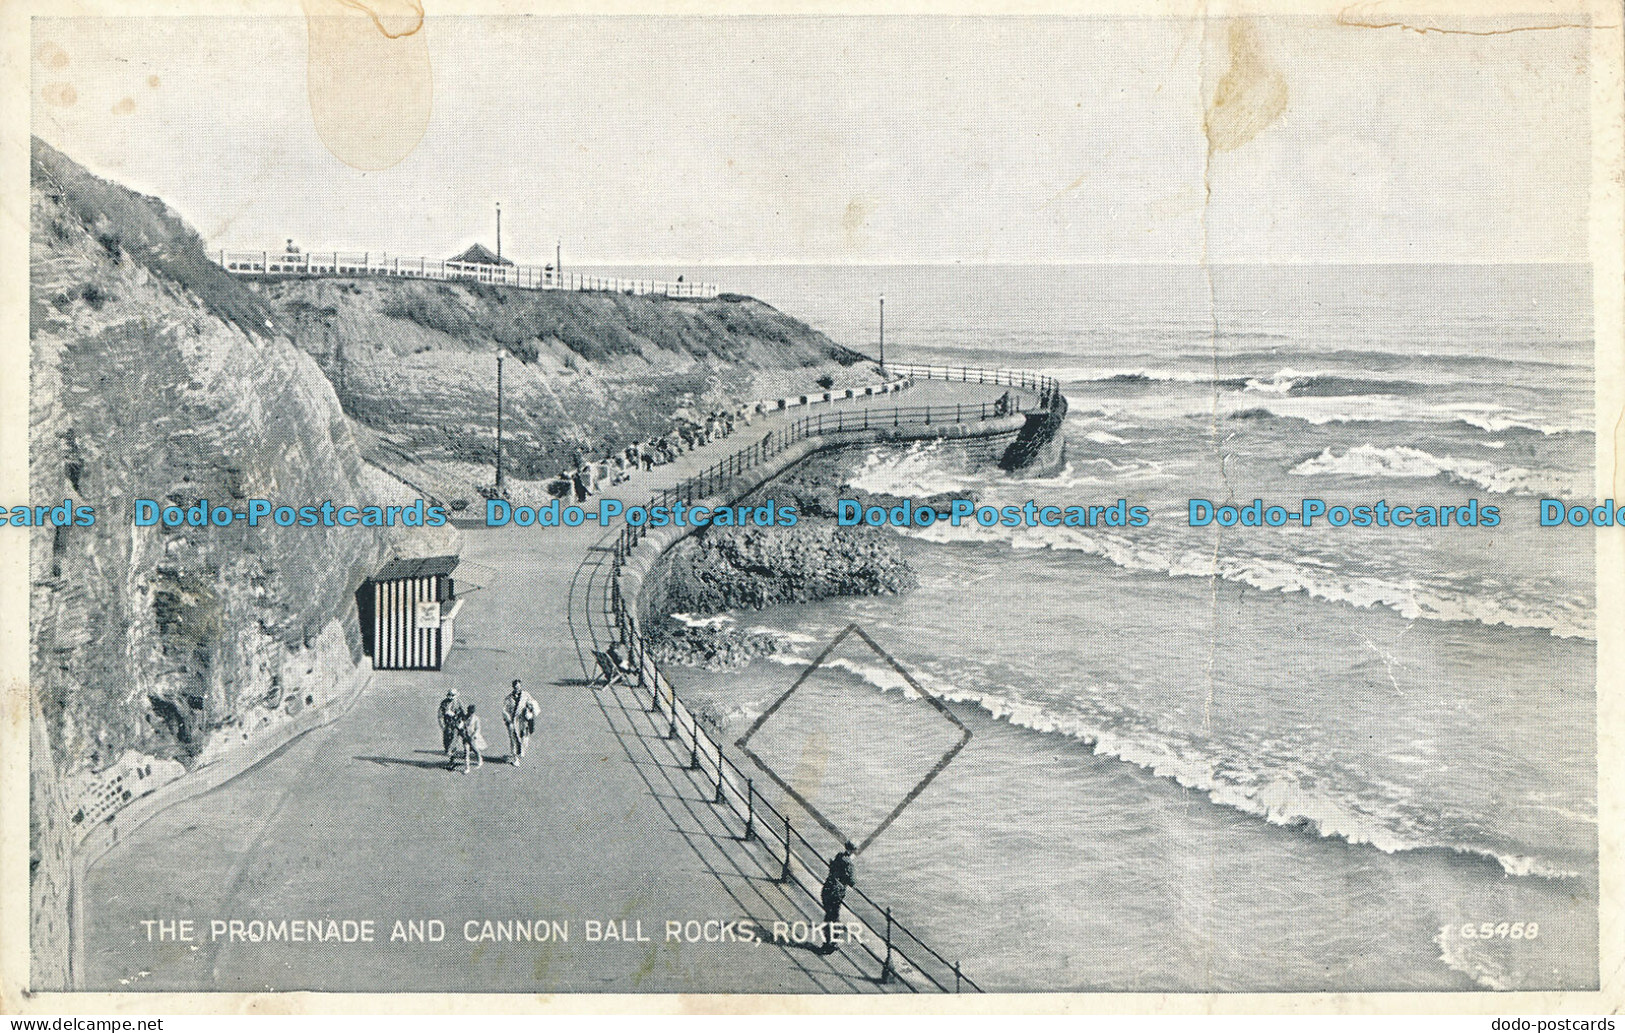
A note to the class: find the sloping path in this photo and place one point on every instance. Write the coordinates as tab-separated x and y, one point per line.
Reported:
359	820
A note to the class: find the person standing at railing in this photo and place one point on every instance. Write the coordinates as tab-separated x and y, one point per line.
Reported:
842	873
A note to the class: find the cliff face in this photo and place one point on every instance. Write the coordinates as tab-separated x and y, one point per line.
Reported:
414	364
155	376
152	379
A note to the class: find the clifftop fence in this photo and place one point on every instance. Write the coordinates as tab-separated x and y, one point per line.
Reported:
365	263
902	957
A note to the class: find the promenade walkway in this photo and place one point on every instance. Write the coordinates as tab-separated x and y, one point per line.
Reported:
359	820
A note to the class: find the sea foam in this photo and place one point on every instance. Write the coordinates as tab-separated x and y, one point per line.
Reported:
1401	461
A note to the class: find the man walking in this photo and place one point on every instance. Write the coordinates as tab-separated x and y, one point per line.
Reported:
841	875
519	712
450	710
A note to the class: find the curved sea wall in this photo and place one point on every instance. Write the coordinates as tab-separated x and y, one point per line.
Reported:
616	608
643	576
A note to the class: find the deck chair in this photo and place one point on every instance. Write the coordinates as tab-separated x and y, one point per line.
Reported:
609	674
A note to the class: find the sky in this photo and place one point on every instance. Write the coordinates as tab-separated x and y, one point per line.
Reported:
838	139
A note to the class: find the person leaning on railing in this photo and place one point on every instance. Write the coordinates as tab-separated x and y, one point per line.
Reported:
841	875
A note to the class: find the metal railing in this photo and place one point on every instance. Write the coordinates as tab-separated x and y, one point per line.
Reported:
1044	385
720	474
366	263
902	956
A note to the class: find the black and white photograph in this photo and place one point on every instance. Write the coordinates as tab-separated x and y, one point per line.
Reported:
839	502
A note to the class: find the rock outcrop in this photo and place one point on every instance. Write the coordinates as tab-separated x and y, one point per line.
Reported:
751	567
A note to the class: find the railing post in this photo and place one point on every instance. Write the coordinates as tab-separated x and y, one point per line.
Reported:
957	977
887	973
671	727
750	809
784	873
694	746
720	798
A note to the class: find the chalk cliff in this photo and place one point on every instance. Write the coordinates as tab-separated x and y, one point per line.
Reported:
155	376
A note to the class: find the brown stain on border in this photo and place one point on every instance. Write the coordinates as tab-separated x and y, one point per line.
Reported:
60	94
378	20
52	56
1345	19
1250	96
369	80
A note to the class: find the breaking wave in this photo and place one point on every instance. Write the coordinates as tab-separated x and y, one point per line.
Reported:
1572	618
1401	461
1388	409
1273	791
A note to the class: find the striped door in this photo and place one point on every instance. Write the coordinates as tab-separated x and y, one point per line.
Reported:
400	642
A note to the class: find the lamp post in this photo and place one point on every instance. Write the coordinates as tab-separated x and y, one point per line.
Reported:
882	337
502	487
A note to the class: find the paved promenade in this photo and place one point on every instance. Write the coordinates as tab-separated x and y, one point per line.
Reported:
360	820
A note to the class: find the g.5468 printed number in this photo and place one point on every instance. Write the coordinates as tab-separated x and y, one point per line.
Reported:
1500	931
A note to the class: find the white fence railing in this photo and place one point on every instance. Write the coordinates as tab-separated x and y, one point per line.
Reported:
366	263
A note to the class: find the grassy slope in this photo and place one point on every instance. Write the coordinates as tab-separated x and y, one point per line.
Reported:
413	363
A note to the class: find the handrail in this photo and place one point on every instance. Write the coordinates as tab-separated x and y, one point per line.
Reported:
975	375
367	263
903	955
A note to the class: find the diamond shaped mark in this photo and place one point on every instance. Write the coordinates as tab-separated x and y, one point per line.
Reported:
783	783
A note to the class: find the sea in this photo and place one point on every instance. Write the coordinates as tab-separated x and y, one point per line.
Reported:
1220	758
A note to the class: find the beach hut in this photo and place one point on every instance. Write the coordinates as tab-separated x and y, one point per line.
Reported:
409	613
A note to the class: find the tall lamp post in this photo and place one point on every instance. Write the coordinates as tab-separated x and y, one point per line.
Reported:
882	337
502	486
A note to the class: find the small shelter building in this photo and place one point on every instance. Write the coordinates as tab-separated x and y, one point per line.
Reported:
479	254
408	614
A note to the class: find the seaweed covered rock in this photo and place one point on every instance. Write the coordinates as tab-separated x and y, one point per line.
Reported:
715	647
752	567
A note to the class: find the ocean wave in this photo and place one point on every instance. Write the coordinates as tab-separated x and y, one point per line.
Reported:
1388	360
1093	375
1332	385
715	621
1409	599
1401	461
1277	796
916	472
1387	409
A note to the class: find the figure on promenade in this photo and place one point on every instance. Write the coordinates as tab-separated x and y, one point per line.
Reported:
469	740
578	481
450	711
519	712
622	659
841	875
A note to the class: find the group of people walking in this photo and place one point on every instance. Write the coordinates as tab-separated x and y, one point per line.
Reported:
462	743
460	737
